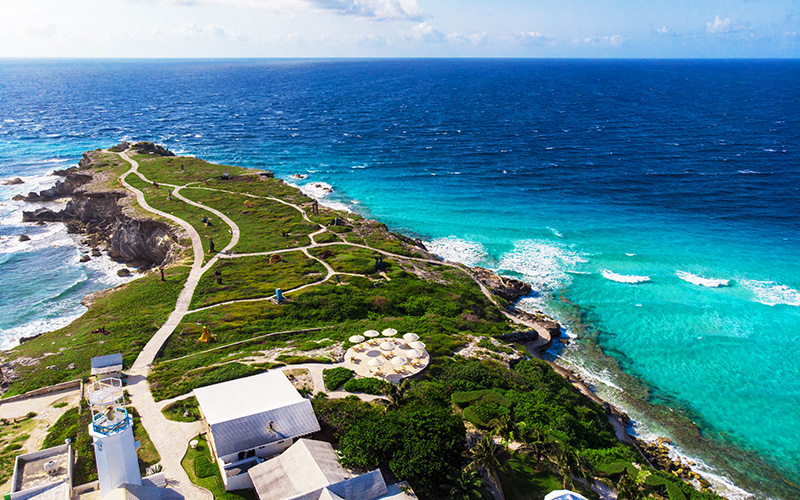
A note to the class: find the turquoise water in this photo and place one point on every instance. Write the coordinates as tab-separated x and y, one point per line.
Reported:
653	204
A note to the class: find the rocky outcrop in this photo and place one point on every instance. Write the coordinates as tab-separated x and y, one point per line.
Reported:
507	288
152	149
142	241
11	182
72	180
99	215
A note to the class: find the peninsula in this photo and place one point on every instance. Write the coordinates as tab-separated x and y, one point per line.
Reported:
241	273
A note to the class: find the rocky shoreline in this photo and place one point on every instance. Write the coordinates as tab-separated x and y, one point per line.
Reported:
100	215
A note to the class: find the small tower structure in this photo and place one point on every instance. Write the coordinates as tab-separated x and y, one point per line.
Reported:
112	432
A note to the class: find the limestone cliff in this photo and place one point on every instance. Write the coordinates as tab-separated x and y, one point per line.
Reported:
98	213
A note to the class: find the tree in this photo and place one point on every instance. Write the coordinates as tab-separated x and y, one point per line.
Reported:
628	488
468	485
397	393
570	464
486	459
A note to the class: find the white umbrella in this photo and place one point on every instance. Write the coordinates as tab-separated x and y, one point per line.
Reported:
389	332
413	353
564	495
417	345
375	362
387	346
399	361
356	339
410	337
371	333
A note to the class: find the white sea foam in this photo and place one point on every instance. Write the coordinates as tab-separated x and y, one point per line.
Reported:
321	191
771	293
624	278
469	253
10	337
630	254
543	264
701	281
555	232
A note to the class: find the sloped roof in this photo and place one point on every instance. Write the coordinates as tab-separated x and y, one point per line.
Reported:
306	466
309	470
246	396
253	411
269	426
107	364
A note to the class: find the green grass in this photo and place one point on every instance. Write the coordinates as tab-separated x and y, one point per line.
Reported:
335	377
132	314
185	410
255	277
171	380
345	259
262	222
147	453
159	198
11	436
199	459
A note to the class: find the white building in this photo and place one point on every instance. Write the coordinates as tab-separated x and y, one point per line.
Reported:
43	475
112	434
310	470
250	419
107	366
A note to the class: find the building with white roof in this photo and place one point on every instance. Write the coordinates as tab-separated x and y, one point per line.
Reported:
309	470
43	475
252	418
107	366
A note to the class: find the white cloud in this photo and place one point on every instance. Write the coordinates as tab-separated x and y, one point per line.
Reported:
41	31
291	39
208	32
471	38
426	33
718	25
378	9
601	41
532	38
663	30
375	9
371	40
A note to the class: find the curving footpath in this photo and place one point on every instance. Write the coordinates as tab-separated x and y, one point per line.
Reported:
171	438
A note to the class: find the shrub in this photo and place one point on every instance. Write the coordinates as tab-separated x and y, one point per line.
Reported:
335	377
368	385
483	412
674	492
465	398
614	468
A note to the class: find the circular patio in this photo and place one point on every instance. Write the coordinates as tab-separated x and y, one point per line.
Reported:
391	359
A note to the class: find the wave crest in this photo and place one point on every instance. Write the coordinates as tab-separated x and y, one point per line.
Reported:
701	281
771	293
624	278
469	253
543	264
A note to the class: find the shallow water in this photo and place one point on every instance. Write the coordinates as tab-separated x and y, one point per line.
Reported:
653	204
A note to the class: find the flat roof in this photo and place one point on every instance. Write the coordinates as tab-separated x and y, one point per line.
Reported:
246	396
29	469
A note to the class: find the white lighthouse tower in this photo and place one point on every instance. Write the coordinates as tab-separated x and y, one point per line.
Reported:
112	432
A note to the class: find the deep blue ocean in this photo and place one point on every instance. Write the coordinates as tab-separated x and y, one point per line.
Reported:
654	205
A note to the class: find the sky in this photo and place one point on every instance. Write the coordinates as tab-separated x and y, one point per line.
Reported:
400	28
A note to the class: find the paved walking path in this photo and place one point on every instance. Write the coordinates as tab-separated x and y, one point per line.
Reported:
171	438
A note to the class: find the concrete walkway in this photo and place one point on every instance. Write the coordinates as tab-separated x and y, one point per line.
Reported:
169	438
